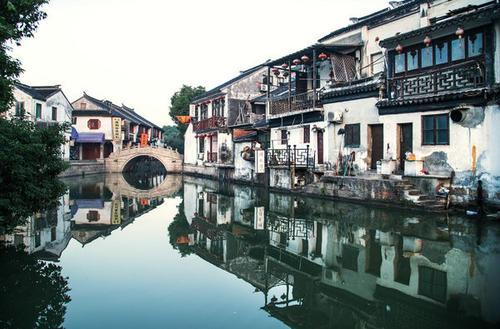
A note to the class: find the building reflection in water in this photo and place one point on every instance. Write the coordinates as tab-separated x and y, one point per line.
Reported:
92	207
321	264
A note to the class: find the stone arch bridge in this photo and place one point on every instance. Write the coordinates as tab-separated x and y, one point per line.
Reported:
171	159
170	185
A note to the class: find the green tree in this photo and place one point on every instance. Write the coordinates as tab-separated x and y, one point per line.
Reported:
172	137
18	19
30	156
179	103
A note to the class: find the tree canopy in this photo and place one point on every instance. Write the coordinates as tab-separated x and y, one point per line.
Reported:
30	156
18	19
179	103
172	137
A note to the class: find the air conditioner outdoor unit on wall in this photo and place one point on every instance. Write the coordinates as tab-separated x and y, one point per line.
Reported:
335	117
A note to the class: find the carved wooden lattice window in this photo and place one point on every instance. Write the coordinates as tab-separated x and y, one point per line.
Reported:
94	124
352	135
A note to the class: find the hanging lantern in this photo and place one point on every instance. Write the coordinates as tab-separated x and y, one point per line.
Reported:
427	41
196	136
296	61
459	32
399	48
305	58
322	56
284	65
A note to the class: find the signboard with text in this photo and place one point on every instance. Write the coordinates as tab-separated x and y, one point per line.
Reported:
117	129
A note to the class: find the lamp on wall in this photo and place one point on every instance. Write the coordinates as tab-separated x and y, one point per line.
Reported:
459	32
296	61
399	48
427	41
305	58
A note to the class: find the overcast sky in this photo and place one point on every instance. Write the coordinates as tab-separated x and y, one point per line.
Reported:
139	52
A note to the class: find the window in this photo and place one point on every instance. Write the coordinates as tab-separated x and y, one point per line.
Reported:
475	44
352	138
457	49
94	124
399	63
38	110
432	283
93	216
426	57
441	53
350	256
83	106
412	60
201	145
20	109
54	113
38	239
284	136
307	134
73	120
204	111
377	63
435	130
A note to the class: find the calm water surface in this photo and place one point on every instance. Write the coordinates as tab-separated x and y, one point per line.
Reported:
143	251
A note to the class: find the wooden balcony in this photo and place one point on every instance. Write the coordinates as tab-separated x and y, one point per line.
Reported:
458	77
212	123
296	103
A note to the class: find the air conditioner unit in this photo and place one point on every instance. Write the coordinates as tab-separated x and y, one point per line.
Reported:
263	87
335	117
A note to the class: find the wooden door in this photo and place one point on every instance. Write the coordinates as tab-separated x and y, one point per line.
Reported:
377	144
91	151
405	142
320	146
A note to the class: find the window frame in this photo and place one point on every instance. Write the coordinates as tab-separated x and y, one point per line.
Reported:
350	141
448	40
54	113
20	109
432	294
435	129
38	110
284	140
90	124
306	134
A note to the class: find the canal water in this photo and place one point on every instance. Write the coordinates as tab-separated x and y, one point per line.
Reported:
164	251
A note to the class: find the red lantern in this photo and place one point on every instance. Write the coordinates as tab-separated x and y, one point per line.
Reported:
284	65
399	48
322	56
460	32
305	58
196	136
427	41
296	61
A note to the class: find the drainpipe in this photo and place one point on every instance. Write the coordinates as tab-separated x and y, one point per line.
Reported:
314	79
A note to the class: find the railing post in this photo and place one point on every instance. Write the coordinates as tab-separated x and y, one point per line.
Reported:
294	156
307	156
288	155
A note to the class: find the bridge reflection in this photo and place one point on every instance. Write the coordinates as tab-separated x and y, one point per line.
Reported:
92	207
320	264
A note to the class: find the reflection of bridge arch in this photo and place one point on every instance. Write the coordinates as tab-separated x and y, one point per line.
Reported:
168	187
171	160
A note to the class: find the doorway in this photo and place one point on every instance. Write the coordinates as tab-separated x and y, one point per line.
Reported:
405	132
319	137
91	151
376	142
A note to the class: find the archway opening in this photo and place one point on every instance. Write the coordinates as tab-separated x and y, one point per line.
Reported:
144	172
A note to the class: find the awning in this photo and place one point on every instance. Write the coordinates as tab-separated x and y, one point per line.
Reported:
90	138
89	203
74	133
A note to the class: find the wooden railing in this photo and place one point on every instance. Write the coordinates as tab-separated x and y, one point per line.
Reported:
451	78
291	157
210	123
298	102
211	156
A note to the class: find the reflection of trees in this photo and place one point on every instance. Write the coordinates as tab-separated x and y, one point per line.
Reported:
33	294
178	232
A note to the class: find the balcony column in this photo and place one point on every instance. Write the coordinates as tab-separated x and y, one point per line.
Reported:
314	79
290	86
